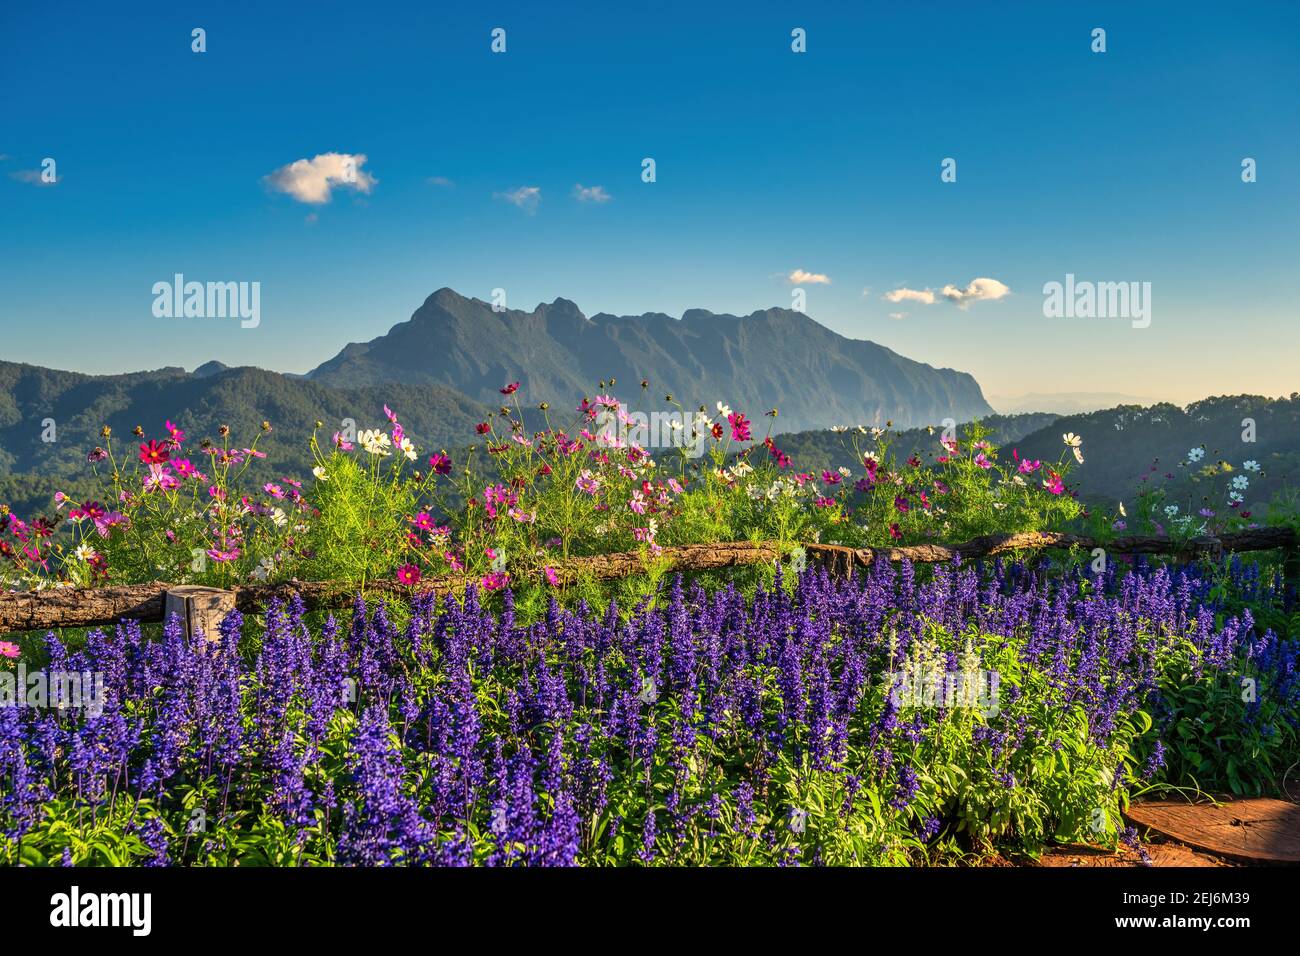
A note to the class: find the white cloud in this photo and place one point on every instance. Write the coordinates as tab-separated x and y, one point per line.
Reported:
799	277
987	289
978	289
525	197
440	181
899	315
590	193
313	180
923	296
34	177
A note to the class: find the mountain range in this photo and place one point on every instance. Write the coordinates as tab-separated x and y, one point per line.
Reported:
816	377
442	370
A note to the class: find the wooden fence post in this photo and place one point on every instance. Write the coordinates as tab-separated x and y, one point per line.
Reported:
200	609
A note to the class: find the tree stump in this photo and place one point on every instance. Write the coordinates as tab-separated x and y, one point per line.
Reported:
200	609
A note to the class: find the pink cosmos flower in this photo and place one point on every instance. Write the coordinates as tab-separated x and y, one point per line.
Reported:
106	522
408	573
9	650
739	427
552	578
982	461
423	521
496	580
341	443
440	463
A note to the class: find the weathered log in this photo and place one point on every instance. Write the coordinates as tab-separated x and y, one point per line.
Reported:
78	607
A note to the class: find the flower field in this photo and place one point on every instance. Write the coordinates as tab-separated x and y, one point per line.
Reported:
773	715
525	495
818	722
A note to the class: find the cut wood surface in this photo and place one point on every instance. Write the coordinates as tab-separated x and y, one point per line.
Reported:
89	607
1258	830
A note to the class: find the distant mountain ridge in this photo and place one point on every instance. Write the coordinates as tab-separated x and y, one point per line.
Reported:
779	357
200	402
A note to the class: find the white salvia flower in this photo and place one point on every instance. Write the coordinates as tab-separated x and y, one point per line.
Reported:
319	472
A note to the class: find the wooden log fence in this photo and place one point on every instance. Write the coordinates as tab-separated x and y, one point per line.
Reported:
90	607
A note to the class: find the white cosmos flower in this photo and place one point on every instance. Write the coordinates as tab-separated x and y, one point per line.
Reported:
1073	440
1251	465
408	449
84	553
319	472
1241	482
375	442
724	410
1196	454
1078	455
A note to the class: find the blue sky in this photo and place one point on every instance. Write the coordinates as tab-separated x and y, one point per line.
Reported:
1118	166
